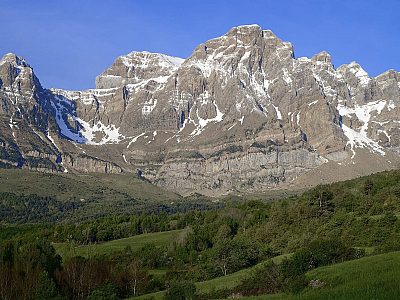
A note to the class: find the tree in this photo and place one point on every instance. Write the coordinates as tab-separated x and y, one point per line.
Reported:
224	232
139	279
368	184
39	254
47	289
18	281
233	255
321	199
329	251
69	278
106	292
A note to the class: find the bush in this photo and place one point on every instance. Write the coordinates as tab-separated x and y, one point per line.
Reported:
301	261
106	292
330	251
181	291
318	253
265	279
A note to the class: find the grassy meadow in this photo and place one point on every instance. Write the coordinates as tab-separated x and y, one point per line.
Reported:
159	239
219	283
98	194
373	277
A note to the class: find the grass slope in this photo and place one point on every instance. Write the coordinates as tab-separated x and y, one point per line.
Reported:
69	186
100	194
373	277
106	194
103	194
224	282
135	242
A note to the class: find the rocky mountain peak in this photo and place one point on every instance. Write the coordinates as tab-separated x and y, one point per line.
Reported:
240	113
250	33
322	57
14	60
237	41
246	33
18	80
390	74
13	67
136	67
356	77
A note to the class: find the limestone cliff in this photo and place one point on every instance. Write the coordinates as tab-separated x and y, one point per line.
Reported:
241	113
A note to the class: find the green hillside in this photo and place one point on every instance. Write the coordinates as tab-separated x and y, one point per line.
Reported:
94	187
220	283
93	195
218	251
374	277
159	239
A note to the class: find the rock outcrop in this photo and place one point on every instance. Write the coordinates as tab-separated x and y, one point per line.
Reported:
241	113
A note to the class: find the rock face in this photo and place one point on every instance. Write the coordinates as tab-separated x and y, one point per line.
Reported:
24	121
30	135
138	68
241	113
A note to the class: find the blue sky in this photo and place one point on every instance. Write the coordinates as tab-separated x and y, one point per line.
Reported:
68	43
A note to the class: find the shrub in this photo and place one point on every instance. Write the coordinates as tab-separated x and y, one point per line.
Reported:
106	292
301	261
329	251
181	291
263	280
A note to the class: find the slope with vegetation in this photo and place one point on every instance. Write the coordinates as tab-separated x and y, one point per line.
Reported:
30	197
374	277
325	225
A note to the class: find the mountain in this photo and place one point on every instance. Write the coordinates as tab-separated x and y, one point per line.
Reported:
241	113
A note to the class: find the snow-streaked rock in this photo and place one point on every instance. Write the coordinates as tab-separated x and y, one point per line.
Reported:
241	112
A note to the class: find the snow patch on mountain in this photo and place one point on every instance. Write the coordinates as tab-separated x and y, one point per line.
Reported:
149	106
278	113
384	132
391	104
135	139
286	76
359	140
217	118
363	113
61	116
231	126
147	58
110	134
52	140
83	133
359	72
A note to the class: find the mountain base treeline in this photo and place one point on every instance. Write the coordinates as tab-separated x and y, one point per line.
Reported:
325	225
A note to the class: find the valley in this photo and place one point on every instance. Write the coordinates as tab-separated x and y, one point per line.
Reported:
247	247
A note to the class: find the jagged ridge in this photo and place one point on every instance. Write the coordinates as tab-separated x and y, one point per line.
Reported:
241	112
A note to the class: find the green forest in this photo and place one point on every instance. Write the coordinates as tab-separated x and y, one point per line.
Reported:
48	253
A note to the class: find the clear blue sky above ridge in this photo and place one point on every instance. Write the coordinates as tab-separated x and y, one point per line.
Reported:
69	43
